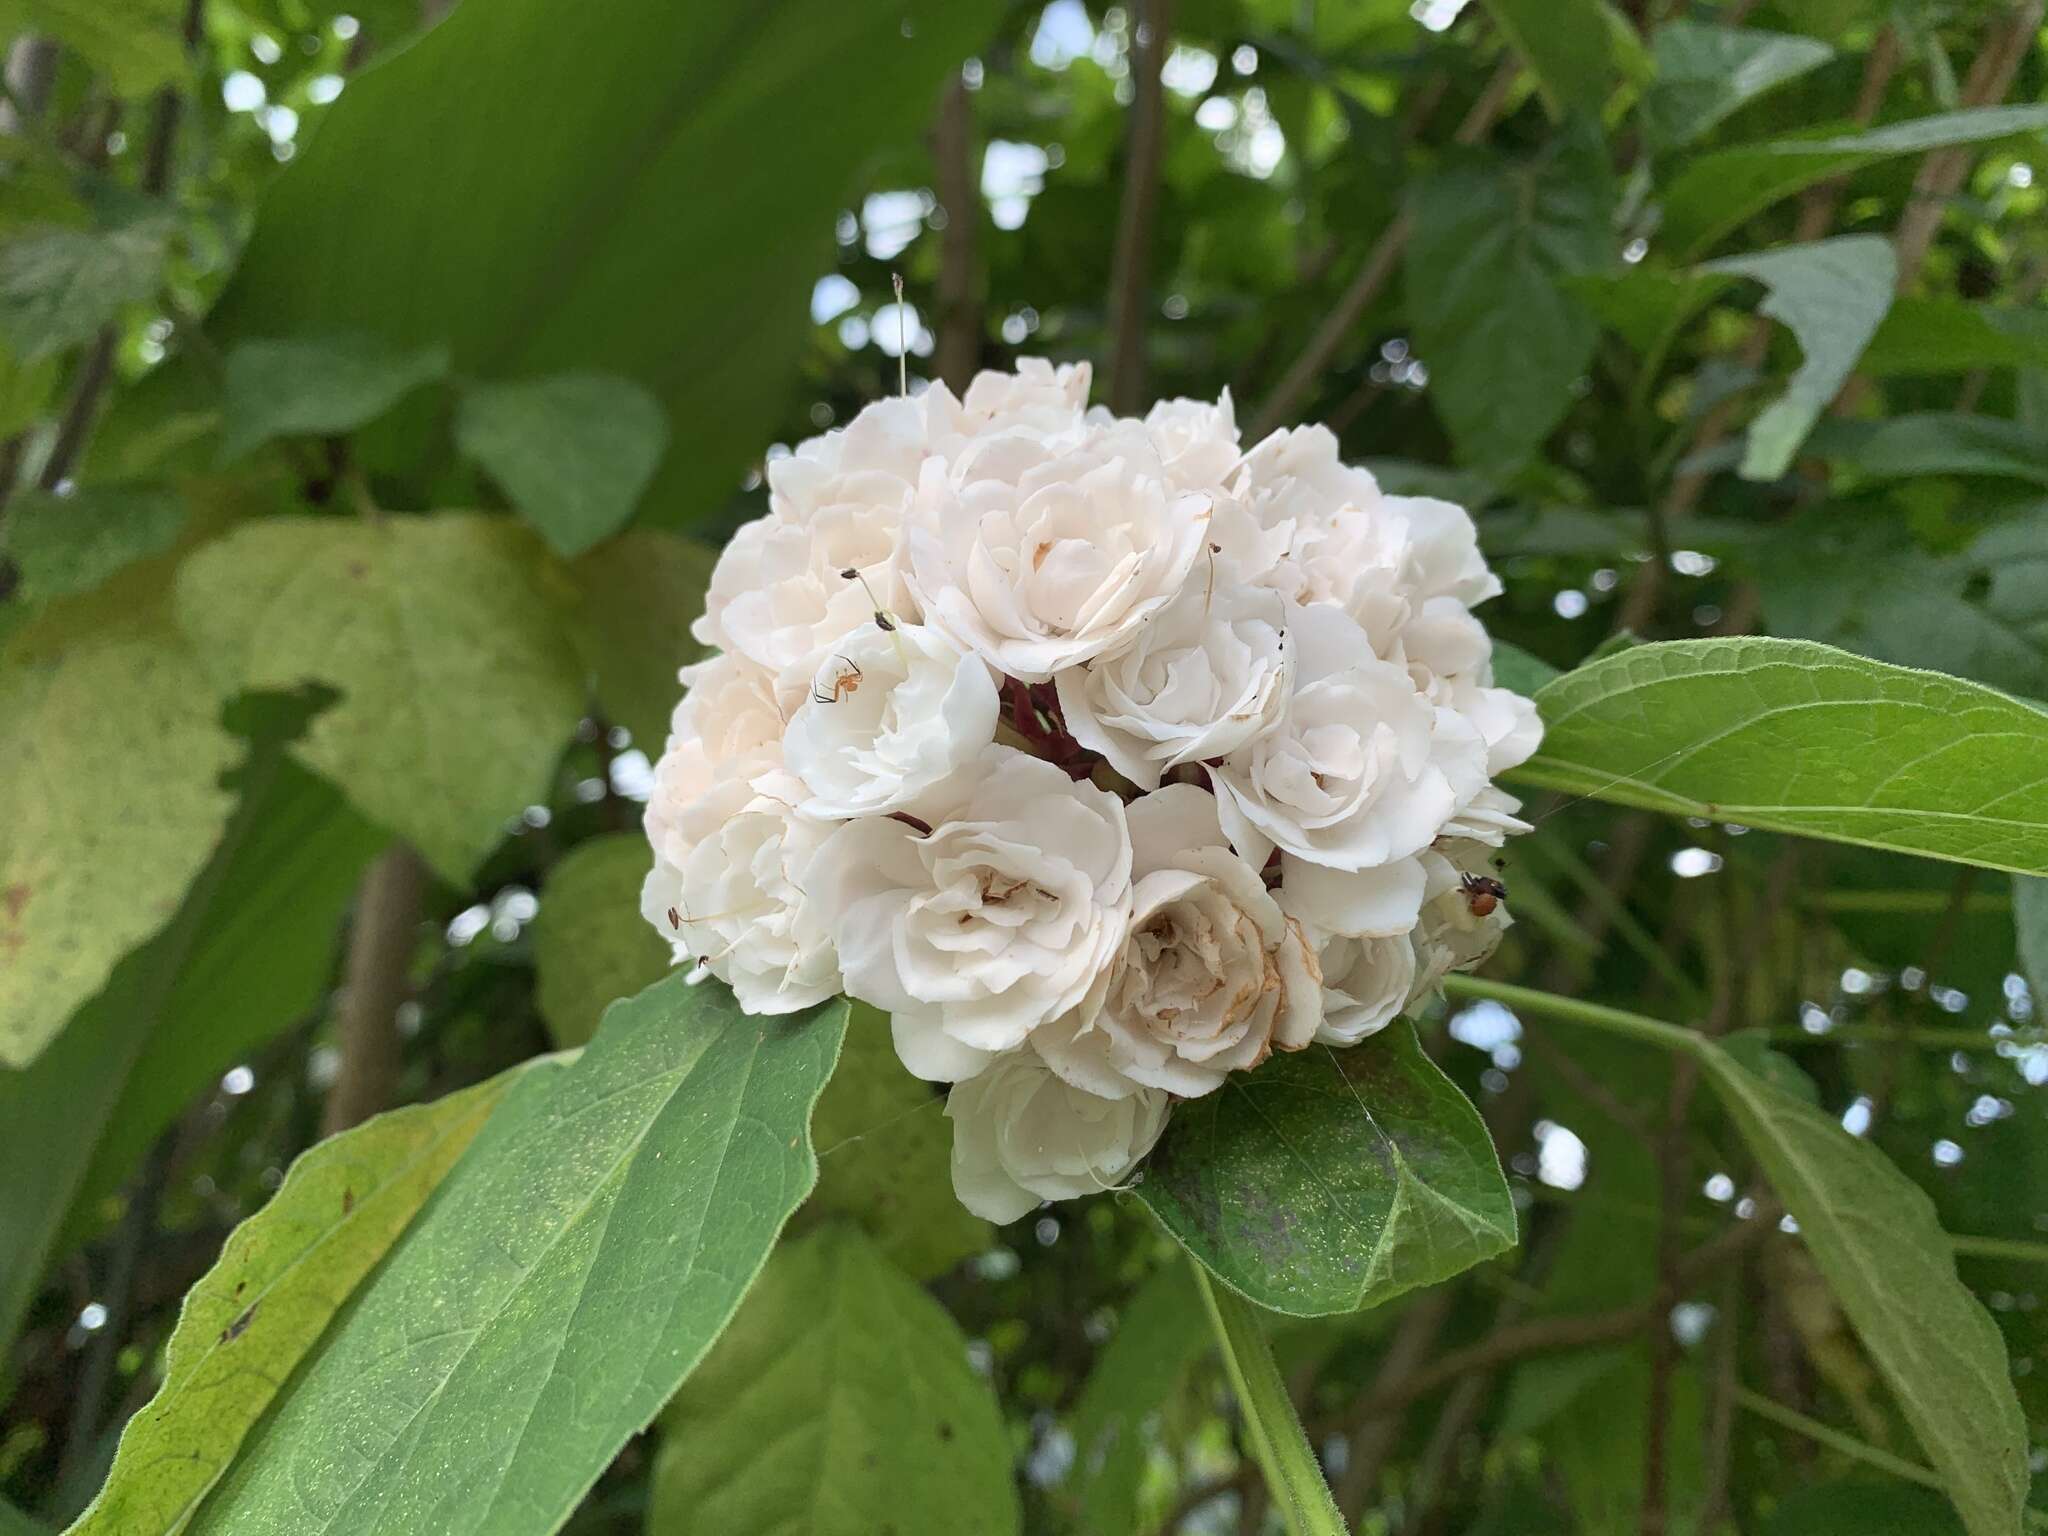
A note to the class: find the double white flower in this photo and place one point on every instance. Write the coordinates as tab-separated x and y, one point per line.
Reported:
1105	757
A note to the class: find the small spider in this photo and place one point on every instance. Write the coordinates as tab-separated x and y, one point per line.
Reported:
847	682
1482	894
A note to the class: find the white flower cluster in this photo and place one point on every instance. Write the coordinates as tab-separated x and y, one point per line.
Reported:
1103	756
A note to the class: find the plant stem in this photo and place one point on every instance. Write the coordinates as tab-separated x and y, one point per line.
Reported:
1293	1476
1637	1026
1130	261
959	306
1834	1439
2016	1249
380	950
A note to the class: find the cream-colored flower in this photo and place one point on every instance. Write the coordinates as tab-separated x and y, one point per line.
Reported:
1362	772
886	718
974	927
728	888
1213	978
1021	1135
1204	678
1039	561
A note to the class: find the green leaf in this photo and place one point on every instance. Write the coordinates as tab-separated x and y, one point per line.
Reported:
59	285
1751	1049
1493	239
573	452
262	955
1568	45
577	1264
591	946
283	1276
1935	443
859	1382
663	219
300	388
1294	1479
2030	921
65	545
637	596
445	636
136	42
1945	335
1160	1334
1328	1181
246	956
1515	668
1717	192
1832	294
885	1156
111	753
1802	738
1705	73
1875	1236
1855	1508
1841	577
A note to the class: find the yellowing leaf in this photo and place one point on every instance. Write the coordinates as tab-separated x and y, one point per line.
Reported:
111	753
282	1277
445	637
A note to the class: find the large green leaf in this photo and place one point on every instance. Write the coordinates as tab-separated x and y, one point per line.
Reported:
298	388
1716	192
637	596
136	42
1492	241
572	1270
1569	45
283	1276
1802	738
1328	1181
1159	1335
1947	335
245	957
1935	443
839	1403
266	948
885	1154
59	285
573	452
1705	73
111	752
1832	294
1844	578
663	218
591	946
447	639
1875	1236
1860	1508
64	545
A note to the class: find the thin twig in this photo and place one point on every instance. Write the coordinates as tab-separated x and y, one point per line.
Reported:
959	306
1816	213
1373	1438
1130	264
1243	1478
97	370
1372	276
376	983
1941	173
138	1226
